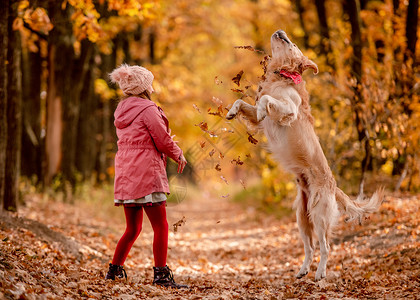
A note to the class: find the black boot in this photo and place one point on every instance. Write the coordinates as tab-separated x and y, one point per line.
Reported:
115	270
163	276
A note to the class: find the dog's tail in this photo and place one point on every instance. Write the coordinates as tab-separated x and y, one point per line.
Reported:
355	209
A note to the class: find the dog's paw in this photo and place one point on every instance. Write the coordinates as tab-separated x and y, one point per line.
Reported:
287	119
231	114
301	274
261	114
320	275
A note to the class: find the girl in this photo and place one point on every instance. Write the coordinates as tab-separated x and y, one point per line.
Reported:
141	182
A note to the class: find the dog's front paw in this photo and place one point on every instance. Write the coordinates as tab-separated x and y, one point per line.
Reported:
231	114
261	114
287	119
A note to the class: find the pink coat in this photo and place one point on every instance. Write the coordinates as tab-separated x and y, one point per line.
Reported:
143	144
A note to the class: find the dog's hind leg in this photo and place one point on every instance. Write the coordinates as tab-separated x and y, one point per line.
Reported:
305	229
324	216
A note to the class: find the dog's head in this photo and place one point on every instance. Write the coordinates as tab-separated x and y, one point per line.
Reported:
287	55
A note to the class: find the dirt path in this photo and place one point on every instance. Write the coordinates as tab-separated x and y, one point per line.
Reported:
222	251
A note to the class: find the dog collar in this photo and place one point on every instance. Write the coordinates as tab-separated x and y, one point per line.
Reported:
295	76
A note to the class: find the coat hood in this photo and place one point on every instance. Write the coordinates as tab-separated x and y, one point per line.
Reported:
129	109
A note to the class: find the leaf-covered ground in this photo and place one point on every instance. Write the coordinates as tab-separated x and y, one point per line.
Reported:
223	251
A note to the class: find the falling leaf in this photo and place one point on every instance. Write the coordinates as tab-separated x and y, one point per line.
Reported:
237	91
221	156
217	101
224	179
218	168
225	196
202	144
219	111
212	152
196	108
251	139
217	81
179	223
218	222
237	161
238	77
250	48
203	126
243	183
248	155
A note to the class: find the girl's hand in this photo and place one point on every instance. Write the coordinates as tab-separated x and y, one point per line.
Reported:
181	164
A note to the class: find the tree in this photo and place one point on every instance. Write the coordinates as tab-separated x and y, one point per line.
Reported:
4	11
353	10
14	106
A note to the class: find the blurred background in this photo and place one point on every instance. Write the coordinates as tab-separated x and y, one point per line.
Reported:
57	136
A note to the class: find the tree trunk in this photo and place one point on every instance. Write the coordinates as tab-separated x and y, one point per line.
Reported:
107	131
300	9
353	10
323	27
88	127
4	12
14	104
31	113
411	29
67	73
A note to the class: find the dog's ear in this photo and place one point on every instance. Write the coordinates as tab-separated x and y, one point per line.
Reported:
309	64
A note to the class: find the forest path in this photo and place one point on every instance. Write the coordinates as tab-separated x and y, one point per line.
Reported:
223	251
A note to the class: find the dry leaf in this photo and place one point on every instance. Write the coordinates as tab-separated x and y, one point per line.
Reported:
212	152
196	108
237	161
251	139
203	126
179	223
218	168
250	48
224	179
238	77
202	144
217	101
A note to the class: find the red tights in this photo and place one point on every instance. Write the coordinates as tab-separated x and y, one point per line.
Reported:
134	220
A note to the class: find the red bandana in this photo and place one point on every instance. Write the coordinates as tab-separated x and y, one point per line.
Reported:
295	76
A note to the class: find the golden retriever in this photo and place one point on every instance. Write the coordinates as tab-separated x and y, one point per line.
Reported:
283	111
